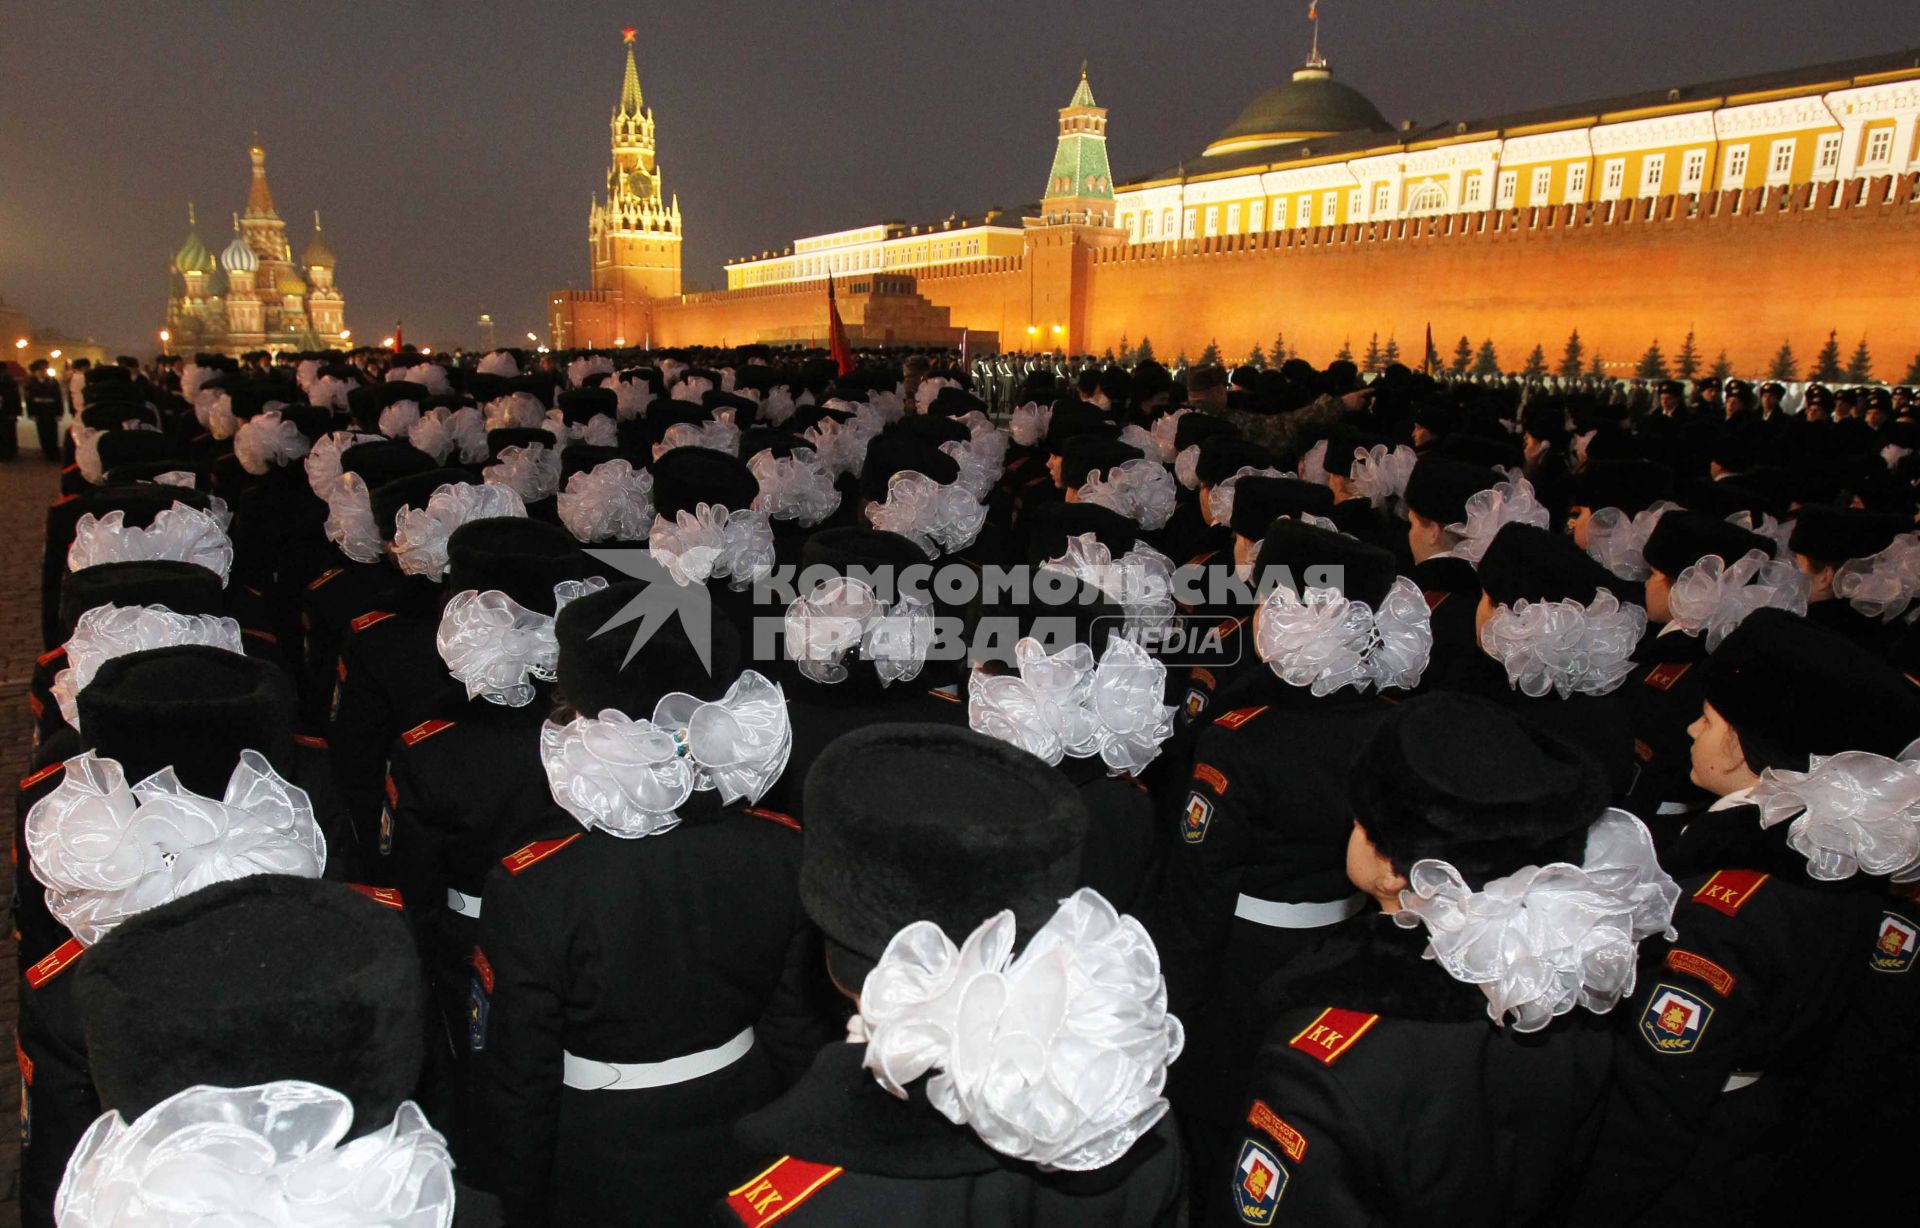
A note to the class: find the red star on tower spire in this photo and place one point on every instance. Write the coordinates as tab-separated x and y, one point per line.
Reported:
627	33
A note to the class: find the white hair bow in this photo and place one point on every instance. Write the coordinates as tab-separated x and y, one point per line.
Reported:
982	457
421	536
398	419
517	409
613	501
719	435
1220	494
1715	597
500	363
796	487
109	631
1618	542
1140	581
1563	646
267	441
1324	641
1064	706
630	777
1140	490
935	517
106	851
179	533
1882	585
842	614
495	647
1029	424
1849	812
712	542
531	471
1380	476
582	369
1489	511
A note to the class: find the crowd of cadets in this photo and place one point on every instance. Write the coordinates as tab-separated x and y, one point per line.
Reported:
1538	849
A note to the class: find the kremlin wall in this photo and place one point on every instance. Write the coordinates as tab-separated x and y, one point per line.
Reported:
1753	212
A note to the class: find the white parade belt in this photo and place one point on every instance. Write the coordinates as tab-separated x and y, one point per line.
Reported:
1739	1079
1297	916
465	905
587	1075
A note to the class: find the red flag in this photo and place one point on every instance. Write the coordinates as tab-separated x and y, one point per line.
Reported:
837	333
1432	359
399	337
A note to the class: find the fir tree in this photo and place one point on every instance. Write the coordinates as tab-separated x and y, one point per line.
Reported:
1486	362
1279	348
1686	364
1258	359
1462	356
1722	369
1106	359
1598	367
1181	363
1913	371
1126	350
1570	359
1210	357
1536	363
1346	351
1785	365
1860	366
1826	364
1653	364
1391	354
1372	362
1144	353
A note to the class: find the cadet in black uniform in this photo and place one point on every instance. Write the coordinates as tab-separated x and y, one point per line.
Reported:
1739	1054
1437	494
612	1049
1444	1063
1824	540
918	823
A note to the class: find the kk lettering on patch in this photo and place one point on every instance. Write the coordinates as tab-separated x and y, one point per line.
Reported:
1266	1120
779	1190
1197	817
1258	1181
1332	1033
1239	717
1662	676
1729	890
1894	948
1674	1020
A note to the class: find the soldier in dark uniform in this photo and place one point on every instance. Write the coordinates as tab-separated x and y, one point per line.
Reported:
917	823
612	1051
1665	689
1565	629
41	396
1738	1049
194	710
1437	494
1186	533
1446	1062
1824	540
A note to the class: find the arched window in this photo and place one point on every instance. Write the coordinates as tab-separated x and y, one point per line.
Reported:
1428	198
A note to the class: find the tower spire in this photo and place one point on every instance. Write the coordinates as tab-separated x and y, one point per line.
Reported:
631	103
259	197
191	223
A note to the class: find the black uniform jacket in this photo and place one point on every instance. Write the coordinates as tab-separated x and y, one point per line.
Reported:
1452	590
1761	988
637	951
821	712
1666	694
1383	1094
839	1149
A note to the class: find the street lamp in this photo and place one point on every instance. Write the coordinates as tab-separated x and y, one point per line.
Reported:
387	342
20	344
54	354
346	334
165	336
533	338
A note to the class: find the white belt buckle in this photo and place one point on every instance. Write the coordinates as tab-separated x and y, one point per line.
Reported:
1284	916
465	905
588	1075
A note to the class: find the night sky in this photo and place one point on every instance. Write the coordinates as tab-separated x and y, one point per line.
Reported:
452	147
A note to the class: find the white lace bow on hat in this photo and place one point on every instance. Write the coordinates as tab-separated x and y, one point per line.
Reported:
613	501
495	647
1140	581
530	470
1563	646
1712	597
1380	476
982	456
630	777
110	631
1220	495
180	533
268	441
1850	812
1489	511
1324	641
1618	541
1057	1056
844	614
1882	585
1141	490
1029	424
1545	939
423	535
107	851
1063	705
934	517
713	543
797	487
273	1154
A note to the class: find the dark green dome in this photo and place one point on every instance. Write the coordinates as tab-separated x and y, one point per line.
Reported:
1313	104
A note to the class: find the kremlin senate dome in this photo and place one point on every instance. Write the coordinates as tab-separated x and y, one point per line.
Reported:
1311	105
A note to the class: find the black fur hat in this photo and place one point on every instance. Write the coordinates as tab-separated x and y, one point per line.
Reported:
1834	535
935	430
1259	501
254	980
1682	539
413	491
584	458
1540	565
1307	551
138	502
595	673
684	478
1073	417
501	438
121	448
522	558
193	708
1192	429
582	405
1791	690
1342	441
892	453
1439	487
772	439
844	549
1222	456
912	822
1084	455
1050	524
1630	485
184	588
1460	778
380	461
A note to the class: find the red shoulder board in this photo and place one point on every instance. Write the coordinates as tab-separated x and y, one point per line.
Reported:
424	730
323	577
1332	1033
63	499
268	636
51	655
1435	598
1239	717
381	895
785	820
54	964
1662	676
537	852
27	782
483	969
37	704
309	740
779	1190
939	694
370	618
1703	968
1729	890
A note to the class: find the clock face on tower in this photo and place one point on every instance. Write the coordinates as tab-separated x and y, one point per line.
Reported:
642	185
